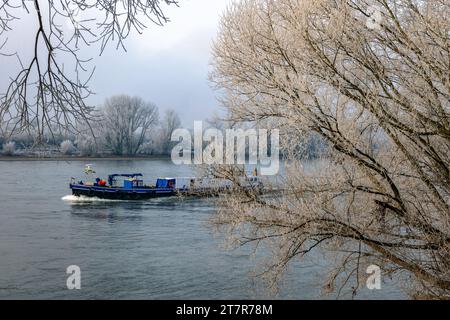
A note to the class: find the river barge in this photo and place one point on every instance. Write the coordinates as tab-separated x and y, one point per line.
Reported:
131	186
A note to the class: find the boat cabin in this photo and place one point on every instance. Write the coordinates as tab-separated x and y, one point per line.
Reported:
131	180
135	180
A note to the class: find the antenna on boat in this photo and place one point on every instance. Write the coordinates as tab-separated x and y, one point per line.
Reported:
88	169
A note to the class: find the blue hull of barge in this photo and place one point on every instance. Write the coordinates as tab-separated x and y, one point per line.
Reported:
122	193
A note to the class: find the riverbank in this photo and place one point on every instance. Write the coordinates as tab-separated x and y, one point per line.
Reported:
80	158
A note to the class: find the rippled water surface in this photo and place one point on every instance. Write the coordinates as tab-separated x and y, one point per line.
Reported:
155	249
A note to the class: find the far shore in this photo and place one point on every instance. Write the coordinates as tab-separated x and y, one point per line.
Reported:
79	158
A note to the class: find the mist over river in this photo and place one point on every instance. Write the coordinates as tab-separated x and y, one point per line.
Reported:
154	249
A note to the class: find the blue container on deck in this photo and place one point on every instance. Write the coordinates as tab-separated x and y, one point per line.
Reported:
128	184
165	183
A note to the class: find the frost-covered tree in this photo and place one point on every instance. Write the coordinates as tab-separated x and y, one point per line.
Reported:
86	145
9	148
67	147
125	122
169	123
370	78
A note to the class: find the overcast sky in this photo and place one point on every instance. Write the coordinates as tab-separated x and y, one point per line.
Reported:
166	65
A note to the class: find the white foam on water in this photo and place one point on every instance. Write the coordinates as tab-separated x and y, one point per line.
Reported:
73	198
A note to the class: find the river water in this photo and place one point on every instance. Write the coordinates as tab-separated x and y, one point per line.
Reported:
155	249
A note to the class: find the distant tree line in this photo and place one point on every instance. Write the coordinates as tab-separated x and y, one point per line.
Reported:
123	126
131	126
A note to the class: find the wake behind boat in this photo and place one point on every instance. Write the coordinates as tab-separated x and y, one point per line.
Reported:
131	186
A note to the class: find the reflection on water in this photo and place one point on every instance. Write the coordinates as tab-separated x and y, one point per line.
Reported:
153	249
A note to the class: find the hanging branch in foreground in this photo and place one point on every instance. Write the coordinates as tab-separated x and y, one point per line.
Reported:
49	93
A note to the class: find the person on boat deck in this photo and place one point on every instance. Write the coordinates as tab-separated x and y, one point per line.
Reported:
99	182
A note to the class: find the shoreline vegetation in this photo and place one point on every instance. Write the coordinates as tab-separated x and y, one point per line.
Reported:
80	158
124	126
